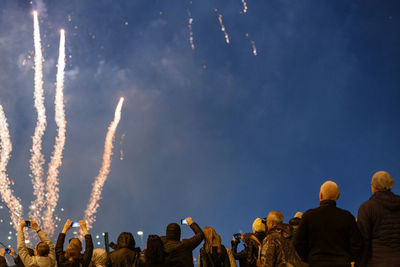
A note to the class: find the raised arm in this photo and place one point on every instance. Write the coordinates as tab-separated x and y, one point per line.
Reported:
193	242
21	246
87	256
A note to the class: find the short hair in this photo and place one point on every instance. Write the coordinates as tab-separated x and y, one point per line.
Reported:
382	181
275	216
258	225
42	249
330	190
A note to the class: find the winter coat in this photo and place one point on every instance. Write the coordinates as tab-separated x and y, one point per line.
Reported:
126	255
83	261
211	260
379	224
328	236
17	261
260	236
35	261
277	249
179	253
249	255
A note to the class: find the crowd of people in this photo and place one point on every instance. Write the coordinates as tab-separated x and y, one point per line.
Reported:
326	236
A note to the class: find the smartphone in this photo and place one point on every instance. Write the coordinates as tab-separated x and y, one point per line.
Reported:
28	223
183	221
236	236
8	251
76	224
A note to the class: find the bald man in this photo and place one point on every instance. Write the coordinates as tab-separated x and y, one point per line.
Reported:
328	236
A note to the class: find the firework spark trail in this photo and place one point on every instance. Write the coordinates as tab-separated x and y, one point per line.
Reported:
37	160
253	45
191	38
120	143
244	6
56	160
223	29
7	195
95	196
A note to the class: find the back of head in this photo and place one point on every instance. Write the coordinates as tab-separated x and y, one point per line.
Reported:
329	191
211	239
42	249
258	225
126	240
382	181
99	258
154	252
173	232
275	216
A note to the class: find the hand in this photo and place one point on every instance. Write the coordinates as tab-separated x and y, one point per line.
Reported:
189	220
22	224
67	226
83	227
2	252
13	254
34	225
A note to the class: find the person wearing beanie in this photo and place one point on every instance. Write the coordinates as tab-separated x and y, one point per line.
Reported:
72	256
295	222
379	223
259	229
179	253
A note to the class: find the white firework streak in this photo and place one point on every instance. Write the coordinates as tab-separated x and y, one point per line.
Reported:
56	159
191	38
121	151
95	196
37	160
244	6
253	45
7	195
223	29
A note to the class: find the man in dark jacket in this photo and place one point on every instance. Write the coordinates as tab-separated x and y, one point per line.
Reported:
379	224
179	253
125	255
277	249
328	236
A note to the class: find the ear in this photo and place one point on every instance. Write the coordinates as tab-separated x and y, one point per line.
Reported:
338	196
320	196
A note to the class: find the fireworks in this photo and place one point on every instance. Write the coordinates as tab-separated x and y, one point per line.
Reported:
244	6
6	192
223	29
253	45
95	196
37	160
56	159
120	143
191	39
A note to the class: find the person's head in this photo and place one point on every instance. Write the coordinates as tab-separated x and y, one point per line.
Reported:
211	239
42	249
173	232
329	191
381	181
258	225
154	252
295	221
126	240
99	258
274	218
73	251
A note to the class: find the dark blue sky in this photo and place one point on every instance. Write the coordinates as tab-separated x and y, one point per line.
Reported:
216	133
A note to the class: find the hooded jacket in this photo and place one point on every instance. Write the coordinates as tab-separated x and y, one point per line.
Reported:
126	254
179	253
277	249
379	224
35	261
83	261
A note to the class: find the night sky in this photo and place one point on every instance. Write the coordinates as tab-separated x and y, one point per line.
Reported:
215	133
